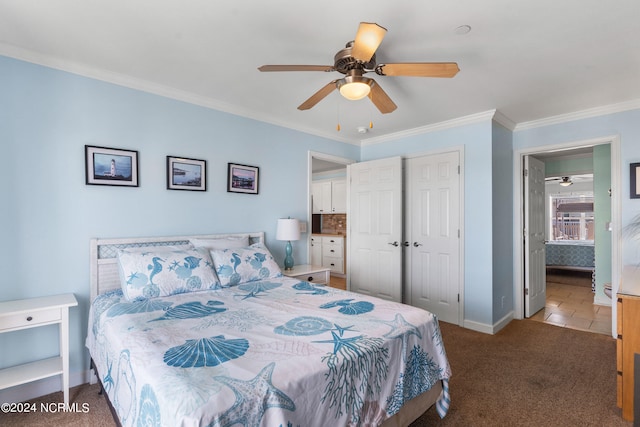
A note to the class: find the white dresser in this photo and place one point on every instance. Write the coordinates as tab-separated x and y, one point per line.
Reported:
328	250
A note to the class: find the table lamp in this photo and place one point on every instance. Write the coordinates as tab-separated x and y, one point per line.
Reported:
288	229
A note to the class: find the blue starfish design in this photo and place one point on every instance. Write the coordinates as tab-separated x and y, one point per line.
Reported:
253	294
258	391
339	342
401	329
342	329
132	276
174	265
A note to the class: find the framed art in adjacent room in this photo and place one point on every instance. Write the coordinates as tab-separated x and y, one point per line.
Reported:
634	183
111	166
186	174
242	178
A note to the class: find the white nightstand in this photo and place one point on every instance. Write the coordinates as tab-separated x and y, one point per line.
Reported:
310	273
31	313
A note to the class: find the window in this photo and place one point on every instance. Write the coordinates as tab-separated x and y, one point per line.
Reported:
571	218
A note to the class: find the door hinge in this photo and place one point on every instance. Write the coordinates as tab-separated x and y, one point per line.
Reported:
526	172
526	291
458	169
458	297
458	233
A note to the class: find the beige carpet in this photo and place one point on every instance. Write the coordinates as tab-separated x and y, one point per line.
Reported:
529	374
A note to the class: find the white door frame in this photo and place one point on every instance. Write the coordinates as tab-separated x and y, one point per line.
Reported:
518	223
329	158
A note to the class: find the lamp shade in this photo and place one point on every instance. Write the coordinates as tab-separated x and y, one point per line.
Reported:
288	229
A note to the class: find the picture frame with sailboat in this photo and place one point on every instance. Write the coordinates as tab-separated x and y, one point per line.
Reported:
111	166
186	174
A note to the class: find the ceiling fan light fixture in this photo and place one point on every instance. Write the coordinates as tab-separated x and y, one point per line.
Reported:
566	181
354	87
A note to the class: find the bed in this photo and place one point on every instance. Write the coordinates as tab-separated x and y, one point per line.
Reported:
249	346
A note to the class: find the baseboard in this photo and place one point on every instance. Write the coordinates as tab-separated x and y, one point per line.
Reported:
602	300
478	327
42	387
489	329
497	327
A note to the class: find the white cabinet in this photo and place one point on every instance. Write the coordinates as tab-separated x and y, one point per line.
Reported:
339	195
32	313
332	252
329	196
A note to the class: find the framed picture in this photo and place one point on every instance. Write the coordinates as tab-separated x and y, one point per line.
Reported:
111	166
635	180
186	174
242	178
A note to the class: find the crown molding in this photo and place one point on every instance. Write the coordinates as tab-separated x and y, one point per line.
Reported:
578	115
448	124
155	89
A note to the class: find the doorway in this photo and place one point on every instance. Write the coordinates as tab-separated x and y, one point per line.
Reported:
520	268
327	171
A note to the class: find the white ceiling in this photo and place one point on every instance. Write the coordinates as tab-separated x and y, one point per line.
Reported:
527	59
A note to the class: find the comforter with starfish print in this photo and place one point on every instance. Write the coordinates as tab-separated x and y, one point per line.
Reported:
278	352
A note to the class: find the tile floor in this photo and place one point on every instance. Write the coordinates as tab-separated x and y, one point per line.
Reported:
568	305
571	306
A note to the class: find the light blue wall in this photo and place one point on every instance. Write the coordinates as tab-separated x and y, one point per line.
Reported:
566	167
626	126
602	216
49	214
477	142
502	206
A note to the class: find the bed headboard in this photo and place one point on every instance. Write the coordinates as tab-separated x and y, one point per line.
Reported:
103	267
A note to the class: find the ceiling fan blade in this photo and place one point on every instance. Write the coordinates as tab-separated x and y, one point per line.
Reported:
380	99
368	38
318	96
419	69
296	68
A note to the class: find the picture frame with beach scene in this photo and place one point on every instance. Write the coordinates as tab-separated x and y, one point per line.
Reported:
242	178
186	174
111	166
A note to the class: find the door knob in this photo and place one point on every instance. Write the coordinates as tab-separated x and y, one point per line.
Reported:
394	244
416	244
405	243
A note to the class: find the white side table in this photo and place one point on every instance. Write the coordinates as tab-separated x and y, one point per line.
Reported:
32	313
310	273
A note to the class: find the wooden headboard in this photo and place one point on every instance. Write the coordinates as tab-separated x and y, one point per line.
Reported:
103	267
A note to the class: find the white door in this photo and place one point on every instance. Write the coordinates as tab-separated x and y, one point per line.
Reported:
535	286
375	228
433	226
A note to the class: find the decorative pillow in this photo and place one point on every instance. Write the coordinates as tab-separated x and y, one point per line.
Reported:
231	242
151	274
241	265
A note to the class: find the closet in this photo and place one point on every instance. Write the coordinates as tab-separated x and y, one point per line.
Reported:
405	231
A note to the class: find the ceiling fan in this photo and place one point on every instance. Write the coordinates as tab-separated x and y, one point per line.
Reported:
566	181
358	58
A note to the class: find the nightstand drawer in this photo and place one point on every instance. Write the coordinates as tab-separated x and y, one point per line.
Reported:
319	278
28	319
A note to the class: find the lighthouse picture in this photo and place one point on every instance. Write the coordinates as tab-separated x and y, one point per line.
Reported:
109	166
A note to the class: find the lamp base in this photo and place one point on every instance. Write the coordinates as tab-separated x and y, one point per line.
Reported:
288	259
